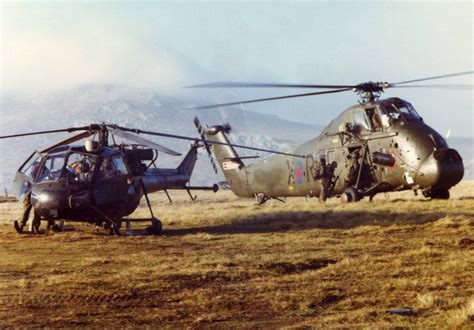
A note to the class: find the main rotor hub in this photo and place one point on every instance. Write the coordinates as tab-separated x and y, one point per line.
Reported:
103	132
370	86
370	91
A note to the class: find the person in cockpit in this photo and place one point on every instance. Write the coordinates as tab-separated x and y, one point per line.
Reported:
374	119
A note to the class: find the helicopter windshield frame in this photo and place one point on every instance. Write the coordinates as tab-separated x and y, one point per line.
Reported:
51	167
360	119
79	167
31	166
113	166
58	166
395	109
26	174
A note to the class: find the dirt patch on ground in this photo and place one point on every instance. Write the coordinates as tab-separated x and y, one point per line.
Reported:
292	268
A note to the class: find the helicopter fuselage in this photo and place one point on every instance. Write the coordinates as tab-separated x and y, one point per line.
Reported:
374	147
69	183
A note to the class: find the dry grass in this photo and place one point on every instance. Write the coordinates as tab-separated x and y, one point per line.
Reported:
224	262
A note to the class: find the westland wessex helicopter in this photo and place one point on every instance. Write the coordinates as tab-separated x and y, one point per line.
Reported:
98	182
378	145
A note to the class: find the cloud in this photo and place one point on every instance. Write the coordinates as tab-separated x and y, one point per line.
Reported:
46	57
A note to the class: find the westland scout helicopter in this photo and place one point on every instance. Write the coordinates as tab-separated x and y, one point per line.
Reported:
99	182
378	145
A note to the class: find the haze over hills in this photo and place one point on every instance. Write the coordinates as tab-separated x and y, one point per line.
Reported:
139	108
465	147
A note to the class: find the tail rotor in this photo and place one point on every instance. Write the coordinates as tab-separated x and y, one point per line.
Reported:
206	145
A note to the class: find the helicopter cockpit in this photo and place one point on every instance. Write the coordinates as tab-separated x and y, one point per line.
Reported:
394	109
113	166
70	166
383	115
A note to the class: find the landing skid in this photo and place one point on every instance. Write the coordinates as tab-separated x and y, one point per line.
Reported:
34	226
33	223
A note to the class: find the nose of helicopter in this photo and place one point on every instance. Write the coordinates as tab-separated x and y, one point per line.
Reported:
442	169
46	198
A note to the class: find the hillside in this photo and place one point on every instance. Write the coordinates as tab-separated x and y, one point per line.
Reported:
135	108
465	147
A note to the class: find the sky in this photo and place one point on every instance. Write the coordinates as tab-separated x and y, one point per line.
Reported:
53	46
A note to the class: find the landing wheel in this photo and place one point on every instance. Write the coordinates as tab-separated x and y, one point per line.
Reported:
115	227
440	194
260	198
350	195
156	227
49	225
58	227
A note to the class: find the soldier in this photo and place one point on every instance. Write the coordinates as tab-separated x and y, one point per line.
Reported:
108	169
327	181
353	169
27	206
317	170
374	119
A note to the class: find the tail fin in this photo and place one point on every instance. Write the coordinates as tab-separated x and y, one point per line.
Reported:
226	155
228	159
187	164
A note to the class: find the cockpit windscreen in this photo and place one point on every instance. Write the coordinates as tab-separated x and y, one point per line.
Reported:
394	109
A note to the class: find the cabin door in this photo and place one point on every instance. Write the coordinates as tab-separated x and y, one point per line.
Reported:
25	176
315	163
340	172
111	184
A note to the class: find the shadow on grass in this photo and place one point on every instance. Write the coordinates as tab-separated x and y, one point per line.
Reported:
466	198
304	220
427	200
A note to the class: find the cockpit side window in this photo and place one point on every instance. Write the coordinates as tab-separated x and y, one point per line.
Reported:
112	167
360	119
80	167
26	175
408	110
120	165
387	115
52	168
32	166
374	118
401	108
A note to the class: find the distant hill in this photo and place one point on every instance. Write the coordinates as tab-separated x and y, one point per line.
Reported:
137	109
465	147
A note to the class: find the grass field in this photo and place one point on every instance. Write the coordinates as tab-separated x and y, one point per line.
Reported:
224	262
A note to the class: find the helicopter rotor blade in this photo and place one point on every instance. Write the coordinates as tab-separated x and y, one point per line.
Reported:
367	87
461	87
265	85
432	78
189	138
69	130
69	140
138	139
270	99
